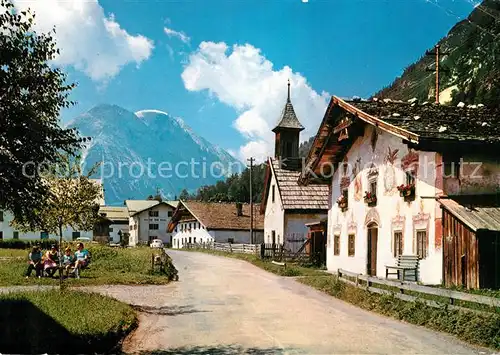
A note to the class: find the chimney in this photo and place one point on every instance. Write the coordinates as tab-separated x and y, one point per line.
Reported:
239	209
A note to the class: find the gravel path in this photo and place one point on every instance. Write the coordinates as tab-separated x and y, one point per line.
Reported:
225	306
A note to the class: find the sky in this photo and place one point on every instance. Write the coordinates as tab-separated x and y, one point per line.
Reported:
223	66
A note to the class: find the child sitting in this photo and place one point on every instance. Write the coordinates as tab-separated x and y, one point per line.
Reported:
35	262
68	260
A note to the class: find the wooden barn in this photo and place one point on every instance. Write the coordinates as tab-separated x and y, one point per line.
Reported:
471	242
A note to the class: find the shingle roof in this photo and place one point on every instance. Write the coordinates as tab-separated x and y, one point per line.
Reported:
288	118
215	215
437	121
114	213
476	217
295	196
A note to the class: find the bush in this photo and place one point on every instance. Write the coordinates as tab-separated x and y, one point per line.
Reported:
63	322
27	243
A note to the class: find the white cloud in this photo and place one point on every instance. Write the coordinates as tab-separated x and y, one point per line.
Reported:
178	34
244	79
88	40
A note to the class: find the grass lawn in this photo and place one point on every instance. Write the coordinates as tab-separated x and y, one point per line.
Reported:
109	266
477	328
292	269
67	322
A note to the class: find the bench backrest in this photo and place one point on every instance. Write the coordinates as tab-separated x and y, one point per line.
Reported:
408	261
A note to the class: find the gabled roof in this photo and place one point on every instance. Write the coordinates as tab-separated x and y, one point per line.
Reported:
293	195
137	206
217	215
114	213
424	126
476	217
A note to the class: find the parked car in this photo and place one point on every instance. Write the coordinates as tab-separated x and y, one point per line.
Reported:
156	243
83	239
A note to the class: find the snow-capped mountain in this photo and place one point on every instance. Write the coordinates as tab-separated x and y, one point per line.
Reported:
148	150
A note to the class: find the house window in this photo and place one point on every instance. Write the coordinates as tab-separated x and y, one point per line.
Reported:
110	230
272	189
194	239
153	213
422	244
16	235
351	245
336	244
398	244
189	240
273	237
153	226
373	187
169	214
1	235
1	216
230	240
75	235
410	178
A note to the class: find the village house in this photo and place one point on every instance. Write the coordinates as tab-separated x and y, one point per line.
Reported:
116	221
148	220
411	179
286	205
207	222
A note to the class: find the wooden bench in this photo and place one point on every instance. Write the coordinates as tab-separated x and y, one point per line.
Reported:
407	265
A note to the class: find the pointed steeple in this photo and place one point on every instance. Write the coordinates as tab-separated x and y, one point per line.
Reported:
288	118
287	132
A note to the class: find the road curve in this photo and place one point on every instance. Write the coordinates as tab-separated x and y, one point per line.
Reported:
223	306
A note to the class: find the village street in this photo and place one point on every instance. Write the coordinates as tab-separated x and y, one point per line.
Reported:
221	302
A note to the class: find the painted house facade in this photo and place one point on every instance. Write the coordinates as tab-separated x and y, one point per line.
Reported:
389	165
286	205
148	220
207	222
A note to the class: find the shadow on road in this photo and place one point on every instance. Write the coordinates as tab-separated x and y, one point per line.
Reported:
221	350
168	311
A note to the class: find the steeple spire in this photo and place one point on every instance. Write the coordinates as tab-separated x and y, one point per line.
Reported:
288	98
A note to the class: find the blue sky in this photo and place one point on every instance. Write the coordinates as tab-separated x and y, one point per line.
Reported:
338	47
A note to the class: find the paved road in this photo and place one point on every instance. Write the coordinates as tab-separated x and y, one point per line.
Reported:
222	305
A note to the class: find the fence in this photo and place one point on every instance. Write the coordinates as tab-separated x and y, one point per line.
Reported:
455	299
227	247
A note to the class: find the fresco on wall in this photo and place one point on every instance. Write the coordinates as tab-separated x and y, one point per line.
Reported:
358	188
390	171
410	162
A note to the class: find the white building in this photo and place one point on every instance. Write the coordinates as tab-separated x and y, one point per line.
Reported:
287	206
376	147
8	232
148	220
206	222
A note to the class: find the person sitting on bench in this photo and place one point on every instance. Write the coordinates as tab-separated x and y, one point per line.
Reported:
35	262
51	261
82	259
68	260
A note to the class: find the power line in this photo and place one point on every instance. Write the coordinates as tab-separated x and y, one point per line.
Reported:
482	9
437	53
251	160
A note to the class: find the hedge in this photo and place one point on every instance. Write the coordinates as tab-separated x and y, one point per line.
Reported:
26	243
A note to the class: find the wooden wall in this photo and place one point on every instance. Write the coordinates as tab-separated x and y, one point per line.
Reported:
460	253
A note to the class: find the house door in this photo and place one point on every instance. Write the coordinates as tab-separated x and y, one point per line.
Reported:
372	250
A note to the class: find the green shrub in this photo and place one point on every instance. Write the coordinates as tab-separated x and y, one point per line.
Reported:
26	243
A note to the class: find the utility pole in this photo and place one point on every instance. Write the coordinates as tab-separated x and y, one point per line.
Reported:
251	160
437	53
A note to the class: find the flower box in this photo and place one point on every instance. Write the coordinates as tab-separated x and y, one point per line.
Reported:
370	199
342	202
407	192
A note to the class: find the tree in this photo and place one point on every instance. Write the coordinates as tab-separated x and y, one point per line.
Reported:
184	195
72	201
32	93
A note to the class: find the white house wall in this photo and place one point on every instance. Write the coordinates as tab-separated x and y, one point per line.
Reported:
114	229
139	225
274	217
190	232
295	225
391	210
238	236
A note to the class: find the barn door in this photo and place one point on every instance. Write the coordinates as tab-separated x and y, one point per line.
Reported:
372	250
